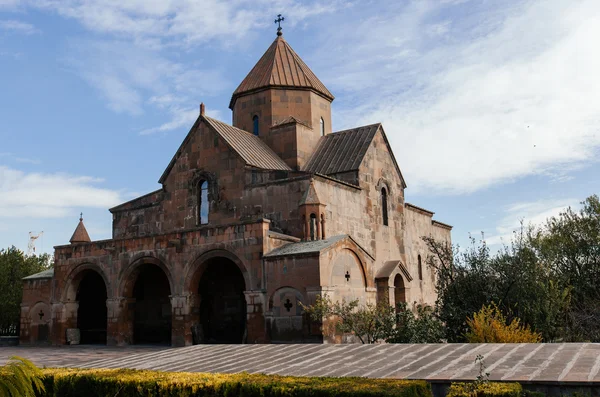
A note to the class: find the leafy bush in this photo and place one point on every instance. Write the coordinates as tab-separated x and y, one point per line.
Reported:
485	389
489	326
19	377
129	383
370	323
424	327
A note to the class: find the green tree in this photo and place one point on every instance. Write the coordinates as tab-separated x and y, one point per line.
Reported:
569	245
14	265
422	327
370	323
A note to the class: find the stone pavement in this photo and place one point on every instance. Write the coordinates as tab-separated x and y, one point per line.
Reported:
570	363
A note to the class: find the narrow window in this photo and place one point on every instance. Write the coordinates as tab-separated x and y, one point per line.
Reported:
203	203
313	227
322	127
420	268
255	125
384	206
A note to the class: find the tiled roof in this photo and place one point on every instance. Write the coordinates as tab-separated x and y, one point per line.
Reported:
341	151
250	147
80	235
280	66
45	274
305	247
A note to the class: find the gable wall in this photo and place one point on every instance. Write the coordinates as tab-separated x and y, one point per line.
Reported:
179	204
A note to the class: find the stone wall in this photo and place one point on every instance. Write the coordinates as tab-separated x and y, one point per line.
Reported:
419	223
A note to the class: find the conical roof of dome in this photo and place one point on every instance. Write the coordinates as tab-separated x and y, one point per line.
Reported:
280	66
80	235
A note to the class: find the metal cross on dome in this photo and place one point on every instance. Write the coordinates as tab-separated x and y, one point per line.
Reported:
278	22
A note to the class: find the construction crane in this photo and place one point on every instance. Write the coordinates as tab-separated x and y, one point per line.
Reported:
31	245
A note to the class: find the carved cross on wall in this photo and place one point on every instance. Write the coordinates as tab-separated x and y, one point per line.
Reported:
347	275
41	314
288	305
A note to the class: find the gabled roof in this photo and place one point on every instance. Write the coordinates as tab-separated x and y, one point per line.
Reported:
343	151
312	247
80	235
248	146
388	268
253	150
45	274
280	66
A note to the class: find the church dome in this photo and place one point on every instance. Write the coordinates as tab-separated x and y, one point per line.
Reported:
280	67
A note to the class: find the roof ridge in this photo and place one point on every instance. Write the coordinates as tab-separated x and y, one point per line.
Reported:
355	129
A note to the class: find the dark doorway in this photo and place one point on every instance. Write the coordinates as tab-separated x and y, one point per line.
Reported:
399	290
222	302
91	313
152	314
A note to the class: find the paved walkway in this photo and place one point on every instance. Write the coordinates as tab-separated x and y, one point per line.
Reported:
540	363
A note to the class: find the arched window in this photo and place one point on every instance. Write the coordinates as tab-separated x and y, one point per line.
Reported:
384	206
420	268
313	227
255	125
203	202
322	127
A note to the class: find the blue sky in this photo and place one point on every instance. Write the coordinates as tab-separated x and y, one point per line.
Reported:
491	107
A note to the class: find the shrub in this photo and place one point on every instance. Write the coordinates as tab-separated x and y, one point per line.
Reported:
489	326
129	383
19	377
491	389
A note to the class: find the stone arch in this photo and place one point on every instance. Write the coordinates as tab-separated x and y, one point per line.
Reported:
216	282
340	267
279	298
147	287
34	313
384	183
194	270
129	274
74	277
285	319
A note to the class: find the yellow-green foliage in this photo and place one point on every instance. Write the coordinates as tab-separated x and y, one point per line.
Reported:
128	383
19	377
489	326
485	389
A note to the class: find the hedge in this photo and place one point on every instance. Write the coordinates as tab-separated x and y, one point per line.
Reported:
486	389
130	383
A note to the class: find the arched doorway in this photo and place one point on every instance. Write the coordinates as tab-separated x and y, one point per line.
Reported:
152	308
91	313
222	302
399	290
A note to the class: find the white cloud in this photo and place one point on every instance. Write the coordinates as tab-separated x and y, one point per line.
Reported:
18	27
125	75
43	195
182	22
496	95
534	213
180	118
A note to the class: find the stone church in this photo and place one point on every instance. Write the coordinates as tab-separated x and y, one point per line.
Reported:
250	220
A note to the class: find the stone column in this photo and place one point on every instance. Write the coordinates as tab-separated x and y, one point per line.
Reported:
181	324
115	310
256	305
